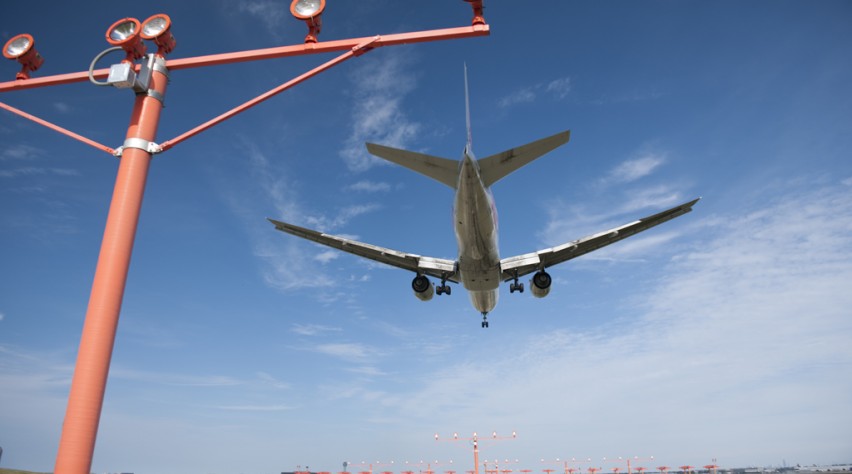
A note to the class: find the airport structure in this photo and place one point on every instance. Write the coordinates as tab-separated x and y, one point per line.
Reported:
147	75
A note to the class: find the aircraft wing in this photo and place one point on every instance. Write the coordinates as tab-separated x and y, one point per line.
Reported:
435	267
524	264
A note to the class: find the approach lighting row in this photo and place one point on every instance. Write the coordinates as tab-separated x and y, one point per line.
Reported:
128	34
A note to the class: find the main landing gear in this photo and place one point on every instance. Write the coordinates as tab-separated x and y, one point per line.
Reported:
443	289
515	286
484	320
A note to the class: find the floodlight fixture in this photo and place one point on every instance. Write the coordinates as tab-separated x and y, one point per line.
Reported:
311	12
21	48
158	28
125	34
478	18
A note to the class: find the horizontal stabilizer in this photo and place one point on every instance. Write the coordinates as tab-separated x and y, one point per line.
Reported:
495	167
440	169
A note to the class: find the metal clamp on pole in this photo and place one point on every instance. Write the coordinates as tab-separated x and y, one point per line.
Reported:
141	144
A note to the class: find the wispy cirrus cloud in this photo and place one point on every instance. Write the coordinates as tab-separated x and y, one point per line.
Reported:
255	407
272	14
20	152
36	171
351	352
369	187
328	223
313	329
570	222
635	168
381	83
749	321
556	89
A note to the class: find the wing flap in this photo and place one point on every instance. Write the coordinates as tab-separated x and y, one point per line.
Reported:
521	265
435	267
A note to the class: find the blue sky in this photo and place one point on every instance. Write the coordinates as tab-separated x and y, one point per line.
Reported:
723	334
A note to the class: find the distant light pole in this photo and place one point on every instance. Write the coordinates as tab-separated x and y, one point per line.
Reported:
148	79
635	458
566	463
474	440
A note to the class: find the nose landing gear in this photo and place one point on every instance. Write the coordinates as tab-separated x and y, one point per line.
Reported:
484	320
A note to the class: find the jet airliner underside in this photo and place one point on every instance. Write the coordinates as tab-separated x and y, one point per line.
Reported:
479	267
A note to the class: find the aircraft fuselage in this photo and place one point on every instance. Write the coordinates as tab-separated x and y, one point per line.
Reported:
475	223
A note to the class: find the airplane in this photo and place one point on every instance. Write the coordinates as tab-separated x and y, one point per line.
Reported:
479	267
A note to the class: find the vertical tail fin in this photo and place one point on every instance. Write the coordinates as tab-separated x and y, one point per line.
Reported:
469	146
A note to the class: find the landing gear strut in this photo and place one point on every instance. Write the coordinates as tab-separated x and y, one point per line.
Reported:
484	320
444	289
515	286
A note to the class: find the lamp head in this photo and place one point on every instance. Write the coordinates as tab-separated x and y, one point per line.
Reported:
21	48
311	12
158	28
125	34
478	18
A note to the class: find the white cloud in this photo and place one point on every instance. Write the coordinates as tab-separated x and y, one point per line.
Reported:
557	89
20	152
567	223
520	96
381	84
174	379
369	187
312	329
272	14
327	256
325	224
743	339
271	381
633	169
255	407
347	351
367	370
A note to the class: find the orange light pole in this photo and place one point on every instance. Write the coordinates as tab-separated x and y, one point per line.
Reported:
85	400
712	467
88	385
686	469
475	442
662	469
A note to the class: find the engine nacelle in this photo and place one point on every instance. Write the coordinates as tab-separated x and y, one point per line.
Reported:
540	284
423	288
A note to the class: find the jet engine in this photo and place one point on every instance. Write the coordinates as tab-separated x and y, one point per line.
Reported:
540	284
423	288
